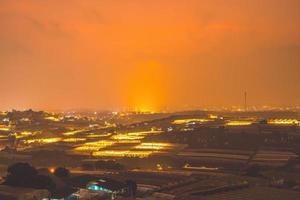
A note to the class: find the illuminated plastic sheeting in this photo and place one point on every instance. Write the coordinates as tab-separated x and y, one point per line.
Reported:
239	123
187	121
284	121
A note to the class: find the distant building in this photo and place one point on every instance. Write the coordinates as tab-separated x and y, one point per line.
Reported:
109	186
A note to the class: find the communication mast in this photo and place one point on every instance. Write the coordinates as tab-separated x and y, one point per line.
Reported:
245	105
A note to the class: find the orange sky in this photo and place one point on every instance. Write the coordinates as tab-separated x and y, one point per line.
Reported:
148	54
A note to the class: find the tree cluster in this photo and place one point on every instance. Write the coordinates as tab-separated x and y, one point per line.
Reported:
24	175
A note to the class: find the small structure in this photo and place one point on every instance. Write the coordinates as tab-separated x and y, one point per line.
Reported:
106	185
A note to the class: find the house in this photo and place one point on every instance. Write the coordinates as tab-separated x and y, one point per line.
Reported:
109	186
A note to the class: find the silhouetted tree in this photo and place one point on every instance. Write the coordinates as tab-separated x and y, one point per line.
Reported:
20	174
24	175
62	172
22	170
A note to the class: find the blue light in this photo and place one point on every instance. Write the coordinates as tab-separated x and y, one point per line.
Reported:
97	188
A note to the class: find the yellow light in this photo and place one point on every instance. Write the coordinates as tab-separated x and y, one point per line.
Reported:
99	135
159	167
126	137
2	113
74	139
284	121
211	116
239	123
144	133
145	109
154	146
128	141
43	140
95	146
121	153
25	119
4	128
186	121
26	134
52	170
72	132
52	118
134	135
146	92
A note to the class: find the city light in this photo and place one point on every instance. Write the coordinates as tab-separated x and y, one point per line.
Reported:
96	135
4	128
239	123
24	134
122	153
95	146
154	146
284	121
72	132
127	137
54	119
134	135
187	121
74	139
43	140
51	170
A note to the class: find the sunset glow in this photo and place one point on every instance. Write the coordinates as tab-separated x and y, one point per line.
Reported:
148	56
